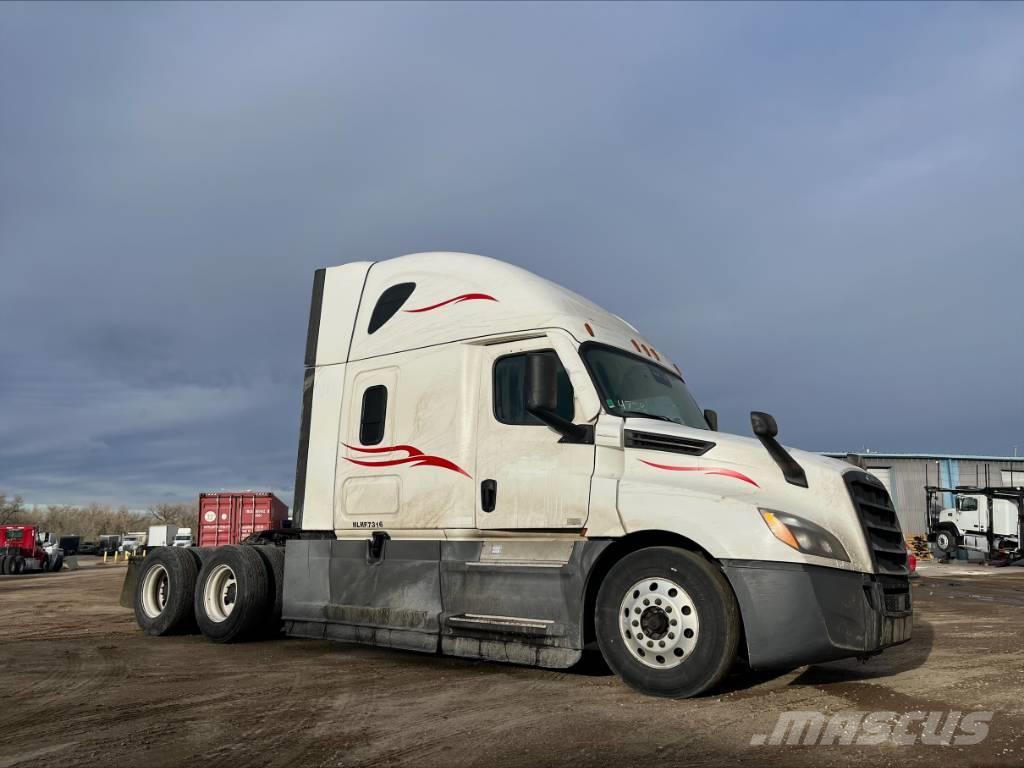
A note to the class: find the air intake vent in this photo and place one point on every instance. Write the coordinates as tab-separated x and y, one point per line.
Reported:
652	441
881	525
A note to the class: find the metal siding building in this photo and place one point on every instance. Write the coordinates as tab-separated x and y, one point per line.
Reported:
908	473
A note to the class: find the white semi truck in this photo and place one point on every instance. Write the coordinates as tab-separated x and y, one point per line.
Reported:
491	466
968	523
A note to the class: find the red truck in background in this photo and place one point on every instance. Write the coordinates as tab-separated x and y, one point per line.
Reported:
230	517
22	550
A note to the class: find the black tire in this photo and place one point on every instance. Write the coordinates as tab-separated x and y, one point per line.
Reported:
3	565
165	590
945	541
233	597
19	564
273	558
57	565
707	601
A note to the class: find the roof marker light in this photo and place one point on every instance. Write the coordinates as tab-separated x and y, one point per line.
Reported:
637	346
589	328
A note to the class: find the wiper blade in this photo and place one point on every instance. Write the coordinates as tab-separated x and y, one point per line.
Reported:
643	415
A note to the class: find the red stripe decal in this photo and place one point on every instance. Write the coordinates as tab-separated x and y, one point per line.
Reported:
706	470
455	300
415	457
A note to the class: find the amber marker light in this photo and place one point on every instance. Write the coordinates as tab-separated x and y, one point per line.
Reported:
779	529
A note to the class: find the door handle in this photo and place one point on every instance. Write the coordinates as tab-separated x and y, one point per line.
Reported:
488	495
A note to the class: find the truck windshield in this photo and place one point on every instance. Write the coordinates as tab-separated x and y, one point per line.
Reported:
632	386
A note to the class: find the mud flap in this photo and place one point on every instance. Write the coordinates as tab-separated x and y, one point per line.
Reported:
131	583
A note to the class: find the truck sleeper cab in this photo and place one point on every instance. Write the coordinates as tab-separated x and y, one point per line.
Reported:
491	466
473	521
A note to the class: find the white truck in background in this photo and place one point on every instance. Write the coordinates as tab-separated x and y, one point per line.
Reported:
492	466
133	541
183	538
966	524
161	536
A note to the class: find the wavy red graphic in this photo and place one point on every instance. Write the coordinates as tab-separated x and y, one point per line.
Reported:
455	300
706	470
416	458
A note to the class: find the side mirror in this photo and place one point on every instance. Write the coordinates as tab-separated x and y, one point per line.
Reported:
542	398
541	382
763	424
711	417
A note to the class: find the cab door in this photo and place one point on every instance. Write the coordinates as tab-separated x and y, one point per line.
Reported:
526	479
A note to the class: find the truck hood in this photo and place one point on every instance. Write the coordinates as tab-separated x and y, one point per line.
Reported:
738	473
742	451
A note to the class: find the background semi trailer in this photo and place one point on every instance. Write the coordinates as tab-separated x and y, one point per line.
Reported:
492	466
229	517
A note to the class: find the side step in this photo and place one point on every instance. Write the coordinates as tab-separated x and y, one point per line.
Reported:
506	625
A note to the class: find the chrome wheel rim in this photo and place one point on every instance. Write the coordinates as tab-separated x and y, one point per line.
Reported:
658	623
155	588
219	593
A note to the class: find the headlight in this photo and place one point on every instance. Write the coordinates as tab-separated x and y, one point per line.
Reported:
803	535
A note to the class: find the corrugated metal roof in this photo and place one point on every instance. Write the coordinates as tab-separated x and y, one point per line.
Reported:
957	457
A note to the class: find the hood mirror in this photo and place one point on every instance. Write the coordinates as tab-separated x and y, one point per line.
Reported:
763	424
711	417
766	429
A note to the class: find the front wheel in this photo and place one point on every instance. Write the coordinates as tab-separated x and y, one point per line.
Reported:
945	540
667	622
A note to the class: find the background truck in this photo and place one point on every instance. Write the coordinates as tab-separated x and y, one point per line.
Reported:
161	535
491	466
108	544
183	538
134	541
24	548
988	519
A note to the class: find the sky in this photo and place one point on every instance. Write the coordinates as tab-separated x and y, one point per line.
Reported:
817	210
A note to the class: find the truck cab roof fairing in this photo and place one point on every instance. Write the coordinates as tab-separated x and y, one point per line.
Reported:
457	296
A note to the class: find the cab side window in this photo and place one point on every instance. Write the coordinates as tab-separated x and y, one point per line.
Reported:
372	417
510	391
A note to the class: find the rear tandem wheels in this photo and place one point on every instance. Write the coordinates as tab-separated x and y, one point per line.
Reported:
229	593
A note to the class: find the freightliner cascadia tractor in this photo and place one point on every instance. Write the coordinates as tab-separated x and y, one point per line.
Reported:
491	466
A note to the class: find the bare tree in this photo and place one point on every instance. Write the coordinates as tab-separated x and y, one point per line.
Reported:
12	511
181	515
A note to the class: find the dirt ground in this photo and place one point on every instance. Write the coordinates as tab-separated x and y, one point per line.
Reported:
83	687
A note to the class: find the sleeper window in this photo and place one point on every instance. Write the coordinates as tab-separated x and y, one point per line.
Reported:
388	304
510	391
371	422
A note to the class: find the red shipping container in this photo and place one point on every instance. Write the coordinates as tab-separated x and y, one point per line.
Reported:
227	518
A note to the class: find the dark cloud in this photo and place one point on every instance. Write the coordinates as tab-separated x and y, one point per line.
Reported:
815	209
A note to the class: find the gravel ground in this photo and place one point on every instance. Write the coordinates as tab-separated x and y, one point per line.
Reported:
84	687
